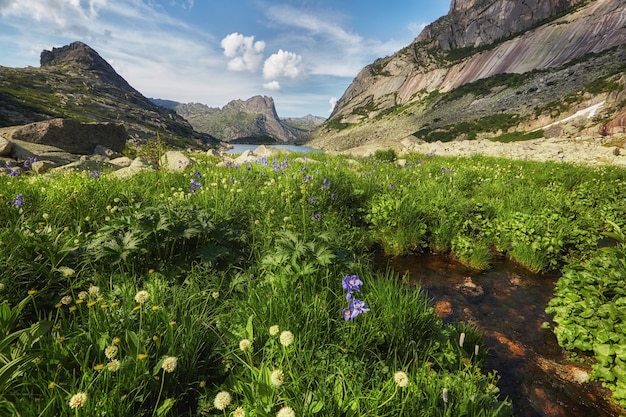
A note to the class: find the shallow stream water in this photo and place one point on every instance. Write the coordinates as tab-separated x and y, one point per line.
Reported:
507	303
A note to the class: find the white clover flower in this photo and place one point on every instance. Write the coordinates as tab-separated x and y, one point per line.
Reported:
83	295
114	365
245	345
222	400
111	351
78	400
66	299
286	412
215	294
277	378
239	412
94	290
444	395
401	379
286	338
169	364
142	296
274	330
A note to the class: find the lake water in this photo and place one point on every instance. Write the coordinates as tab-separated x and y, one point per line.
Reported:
242	147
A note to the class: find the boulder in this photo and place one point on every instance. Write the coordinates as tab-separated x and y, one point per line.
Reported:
70	135
87	165
122	161
41	167
22	151
104	151
5	147
138	165
175	161
247	157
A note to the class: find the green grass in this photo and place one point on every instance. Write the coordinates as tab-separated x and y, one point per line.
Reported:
268	244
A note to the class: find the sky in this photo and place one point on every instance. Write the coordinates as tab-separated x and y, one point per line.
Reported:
303	53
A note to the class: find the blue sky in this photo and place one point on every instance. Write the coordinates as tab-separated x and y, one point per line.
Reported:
303	53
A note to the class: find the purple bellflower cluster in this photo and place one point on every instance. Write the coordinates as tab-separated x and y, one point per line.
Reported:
195	185
352	284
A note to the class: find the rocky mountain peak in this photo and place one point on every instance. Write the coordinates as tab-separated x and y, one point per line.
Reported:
261	104
81	56
476	23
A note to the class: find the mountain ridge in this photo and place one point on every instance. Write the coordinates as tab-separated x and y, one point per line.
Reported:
75	82
254	120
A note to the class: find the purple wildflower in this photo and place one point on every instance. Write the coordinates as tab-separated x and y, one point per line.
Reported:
347	314
19	201
94	174
196	184
198	174
351	283
356	307
14	173
312	200
317	216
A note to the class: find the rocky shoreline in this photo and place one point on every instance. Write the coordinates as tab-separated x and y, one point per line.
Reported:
608	150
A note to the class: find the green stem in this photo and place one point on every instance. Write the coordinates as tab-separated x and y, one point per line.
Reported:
156	406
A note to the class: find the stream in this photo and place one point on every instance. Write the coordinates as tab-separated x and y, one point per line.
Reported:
507	304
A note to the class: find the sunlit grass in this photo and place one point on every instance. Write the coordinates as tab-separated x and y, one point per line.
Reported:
190	265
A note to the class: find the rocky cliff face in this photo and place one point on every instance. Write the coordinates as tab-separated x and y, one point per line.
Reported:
477	23
251	121
460	69
75	82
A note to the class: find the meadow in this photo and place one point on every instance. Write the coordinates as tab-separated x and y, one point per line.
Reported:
250	290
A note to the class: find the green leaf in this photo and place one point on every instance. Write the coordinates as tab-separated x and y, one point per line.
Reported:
166	407
250	328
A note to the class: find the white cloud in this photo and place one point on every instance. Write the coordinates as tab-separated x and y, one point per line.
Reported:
245	53
416	27
63	13
333	103
283	64
321	25
272	85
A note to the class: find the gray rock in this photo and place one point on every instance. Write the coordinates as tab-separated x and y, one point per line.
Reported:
122	161
41	167
5	147
24	150
104	151
70	135
86	165
138	165
247	157
175	161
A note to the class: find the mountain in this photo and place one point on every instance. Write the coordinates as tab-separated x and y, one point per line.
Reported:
252	121
75	82
501	69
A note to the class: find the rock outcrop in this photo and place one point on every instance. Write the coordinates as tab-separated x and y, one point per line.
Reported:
70	135
80	55
530	61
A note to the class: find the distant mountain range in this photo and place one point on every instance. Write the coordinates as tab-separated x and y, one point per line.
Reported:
251	121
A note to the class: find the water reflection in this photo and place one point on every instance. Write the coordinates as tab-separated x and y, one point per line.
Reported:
507	303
